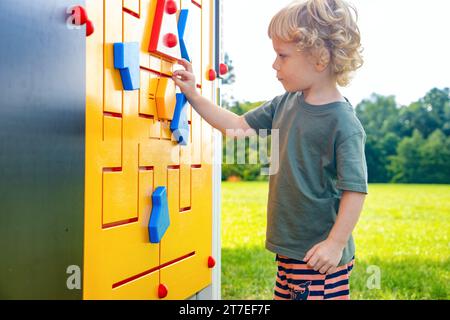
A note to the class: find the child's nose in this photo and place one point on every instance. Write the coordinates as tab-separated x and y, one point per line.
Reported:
275	65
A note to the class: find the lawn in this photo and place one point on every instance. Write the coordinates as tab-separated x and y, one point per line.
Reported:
403	232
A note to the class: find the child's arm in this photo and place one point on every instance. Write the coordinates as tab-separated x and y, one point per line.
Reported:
325	256
219	118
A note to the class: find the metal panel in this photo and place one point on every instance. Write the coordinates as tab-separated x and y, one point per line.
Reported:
42	124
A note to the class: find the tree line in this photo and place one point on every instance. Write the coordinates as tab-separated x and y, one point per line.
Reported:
405	144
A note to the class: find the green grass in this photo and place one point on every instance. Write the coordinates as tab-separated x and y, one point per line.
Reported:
403	230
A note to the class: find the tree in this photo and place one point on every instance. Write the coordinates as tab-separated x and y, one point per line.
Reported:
379	117
427	114
435	159
405	166
437	102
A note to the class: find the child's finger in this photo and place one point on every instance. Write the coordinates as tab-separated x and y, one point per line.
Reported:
183	74
313	262
309	253
186	64
325	268
176	80
331	270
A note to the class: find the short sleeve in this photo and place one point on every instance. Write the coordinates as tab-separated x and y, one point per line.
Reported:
351	164
262	116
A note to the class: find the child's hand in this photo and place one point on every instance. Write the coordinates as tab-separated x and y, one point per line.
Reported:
324	256
185	79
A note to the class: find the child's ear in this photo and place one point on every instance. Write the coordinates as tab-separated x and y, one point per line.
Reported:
322	60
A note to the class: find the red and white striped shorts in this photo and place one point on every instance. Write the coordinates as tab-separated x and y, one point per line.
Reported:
297	281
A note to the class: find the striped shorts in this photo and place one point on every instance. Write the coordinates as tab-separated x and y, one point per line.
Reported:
297	281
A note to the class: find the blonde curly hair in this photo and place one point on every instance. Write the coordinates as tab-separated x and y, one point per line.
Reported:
324	28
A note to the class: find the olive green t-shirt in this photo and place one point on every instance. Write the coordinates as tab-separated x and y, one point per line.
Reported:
321	153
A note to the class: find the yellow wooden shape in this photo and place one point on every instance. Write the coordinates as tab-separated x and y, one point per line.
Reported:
165	98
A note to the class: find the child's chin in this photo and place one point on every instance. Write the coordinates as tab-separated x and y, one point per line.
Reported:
290	89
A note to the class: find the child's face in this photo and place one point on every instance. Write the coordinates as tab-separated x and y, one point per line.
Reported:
295	69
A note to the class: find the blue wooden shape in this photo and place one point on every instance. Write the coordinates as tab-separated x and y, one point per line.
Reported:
126	59
180	125
159	218
182	22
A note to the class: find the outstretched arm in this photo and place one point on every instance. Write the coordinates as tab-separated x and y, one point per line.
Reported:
219	118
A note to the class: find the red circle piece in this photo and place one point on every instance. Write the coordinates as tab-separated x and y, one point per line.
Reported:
171	7
223	69
170	40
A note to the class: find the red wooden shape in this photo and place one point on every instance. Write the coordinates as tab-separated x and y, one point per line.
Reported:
211	262
171	7
89	28
170	40
79	15
162	291
211	75
223	69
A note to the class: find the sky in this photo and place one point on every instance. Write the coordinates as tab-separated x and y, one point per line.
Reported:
406	48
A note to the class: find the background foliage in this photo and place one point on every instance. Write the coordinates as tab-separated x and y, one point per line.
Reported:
405	144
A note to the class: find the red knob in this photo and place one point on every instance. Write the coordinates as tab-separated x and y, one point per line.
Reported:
162	291
171	7
89	28
223	69
211	262
79	15
170	40
211	75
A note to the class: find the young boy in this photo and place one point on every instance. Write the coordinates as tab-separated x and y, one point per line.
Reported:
316	196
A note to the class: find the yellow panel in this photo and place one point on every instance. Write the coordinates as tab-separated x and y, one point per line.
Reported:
196	47
132	29
185	278
165	130
166	67
185	176
148	94
123	132
145	288
144	91
155	63
196	131
147	15
139	29
177	240
188	232
155	129
132	5
159	154
113	33
111	149
119	196
196	233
